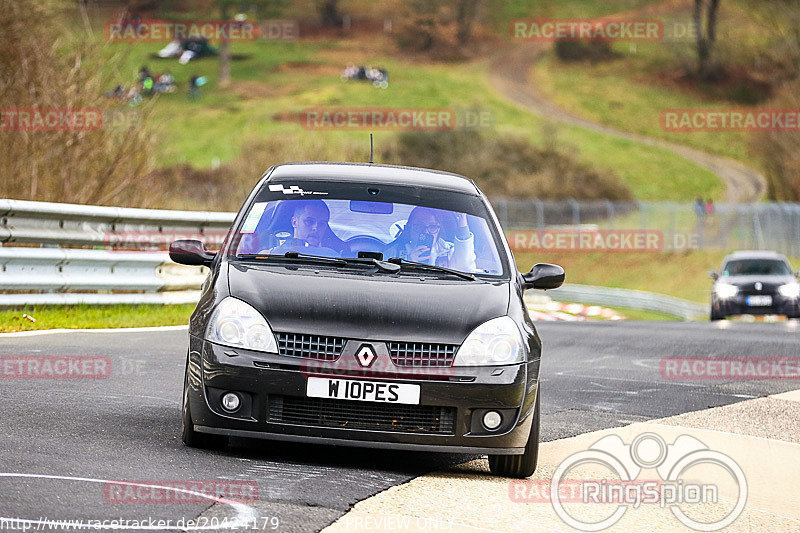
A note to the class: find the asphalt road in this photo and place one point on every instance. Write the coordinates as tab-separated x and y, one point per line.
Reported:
82	433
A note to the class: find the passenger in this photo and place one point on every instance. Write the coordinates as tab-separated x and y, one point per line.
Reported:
421	241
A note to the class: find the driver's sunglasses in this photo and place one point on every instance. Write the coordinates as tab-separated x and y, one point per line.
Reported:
432	228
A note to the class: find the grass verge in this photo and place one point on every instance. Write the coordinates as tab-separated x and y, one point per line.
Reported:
93	316
272	79
683	275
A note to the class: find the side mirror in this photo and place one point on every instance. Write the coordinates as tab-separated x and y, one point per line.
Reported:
190	252
544	276
713	275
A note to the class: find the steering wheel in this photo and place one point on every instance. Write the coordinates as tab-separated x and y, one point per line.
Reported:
364	243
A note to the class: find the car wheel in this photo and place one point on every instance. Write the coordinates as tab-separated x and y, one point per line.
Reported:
189	436
520	466
716	316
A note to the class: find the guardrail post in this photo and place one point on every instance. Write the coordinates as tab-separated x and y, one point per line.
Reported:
576	212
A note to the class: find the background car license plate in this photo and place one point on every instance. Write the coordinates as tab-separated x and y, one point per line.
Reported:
759	300
367	391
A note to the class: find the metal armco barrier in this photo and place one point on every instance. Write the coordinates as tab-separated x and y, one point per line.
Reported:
53	275
55	270
649	301
82	225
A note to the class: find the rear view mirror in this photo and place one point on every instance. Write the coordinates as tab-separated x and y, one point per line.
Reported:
713	275
544	276
190	252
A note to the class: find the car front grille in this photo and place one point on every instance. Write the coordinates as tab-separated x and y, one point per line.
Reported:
373	416
419	354
310	346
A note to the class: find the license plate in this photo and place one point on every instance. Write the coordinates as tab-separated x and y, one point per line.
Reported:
365	391
754	301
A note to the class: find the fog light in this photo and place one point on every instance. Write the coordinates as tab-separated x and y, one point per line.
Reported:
230	402
492	420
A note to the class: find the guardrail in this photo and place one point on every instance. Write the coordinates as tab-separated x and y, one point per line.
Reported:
53	275
63	275
633	299
89	225
55	270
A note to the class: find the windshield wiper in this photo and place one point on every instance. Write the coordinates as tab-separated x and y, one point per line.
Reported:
425	266
341	261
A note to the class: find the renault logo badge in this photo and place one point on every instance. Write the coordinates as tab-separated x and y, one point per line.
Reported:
366	355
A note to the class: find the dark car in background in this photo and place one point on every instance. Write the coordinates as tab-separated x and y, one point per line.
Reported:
755	283
366	305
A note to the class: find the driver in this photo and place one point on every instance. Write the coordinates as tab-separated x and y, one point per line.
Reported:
311	233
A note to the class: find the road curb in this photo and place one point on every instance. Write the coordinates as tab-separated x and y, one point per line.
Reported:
467	498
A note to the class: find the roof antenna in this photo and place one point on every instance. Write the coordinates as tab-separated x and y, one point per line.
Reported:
371	159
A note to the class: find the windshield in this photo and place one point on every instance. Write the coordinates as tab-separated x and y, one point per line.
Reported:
756	267
460	239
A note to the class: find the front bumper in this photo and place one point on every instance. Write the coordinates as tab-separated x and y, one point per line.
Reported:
264	379
737	305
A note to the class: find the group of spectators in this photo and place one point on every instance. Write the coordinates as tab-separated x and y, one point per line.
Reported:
703	208
149	84
378	76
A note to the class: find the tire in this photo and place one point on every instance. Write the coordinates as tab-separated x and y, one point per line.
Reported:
520	466
189	436
716	316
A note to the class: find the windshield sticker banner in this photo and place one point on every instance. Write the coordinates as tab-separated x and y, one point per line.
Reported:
293	189
253	217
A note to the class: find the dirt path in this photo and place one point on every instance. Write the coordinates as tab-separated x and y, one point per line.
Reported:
509	73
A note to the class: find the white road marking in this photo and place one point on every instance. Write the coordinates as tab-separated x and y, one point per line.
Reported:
244	513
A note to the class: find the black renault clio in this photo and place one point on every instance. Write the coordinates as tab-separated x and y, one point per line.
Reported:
366	305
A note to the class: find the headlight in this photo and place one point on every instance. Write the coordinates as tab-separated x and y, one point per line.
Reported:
726	290
790	290
235	323
496	342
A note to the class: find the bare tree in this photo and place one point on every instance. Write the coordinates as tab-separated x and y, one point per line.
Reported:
706	34
329	14
466	11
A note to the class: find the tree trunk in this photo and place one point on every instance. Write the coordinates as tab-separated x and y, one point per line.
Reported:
224	54
465	16
706	35
329	13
